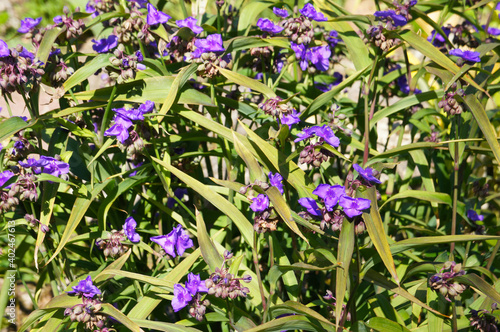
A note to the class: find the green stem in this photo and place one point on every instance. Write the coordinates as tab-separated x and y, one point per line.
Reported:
107	115
455	186
8	105
255	253
184	10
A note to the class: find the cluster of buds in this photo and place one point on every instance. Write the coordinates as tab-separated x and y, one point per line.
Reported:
126	65
463	35
25	187
60	71
443	283
375	35
208	63
33	222
329	297
177	47
133	145
19	71
198	307
74	28
21	149
261	58
88	313
7	201
276	107
98	7
449	103
112	245
298	29
314	155
134	23
484	321
265	221
434	136
223	284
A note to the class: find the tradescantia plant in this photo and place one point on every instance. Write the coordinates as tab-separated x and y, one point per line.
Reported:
254	166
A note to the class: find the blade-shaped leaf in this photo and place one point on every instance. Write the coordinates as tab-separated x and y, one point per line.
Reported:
208	249
345	251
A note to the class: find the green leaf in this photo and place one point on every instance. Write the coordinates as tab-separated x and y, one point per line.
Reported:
11	126
89	69
356	47
427	49
149	302
375	228
137	276
385	325
284	211
435	197
48	41
474	280
177	84
80	207
295	322
408	244
162	326
48	199
252	9
208	250
344	256
217	200
109	310
152	88
254	168
247	82
487	128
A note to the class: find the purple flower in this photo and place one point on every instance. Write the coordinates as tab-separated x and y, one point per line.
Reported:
89	8
53	166
473	216
260	203
493	31
310	12
437	39
29	23
469	56
105	45
398	20
183	240
129	229
57	20
301	54
190	23
4	49
177	239
267	25
280	12
195	285
181	297
34	164
147	107
213	43
311	206
305	134
333	38
353	206
4	177
329	194
275	180
155	16
325	88
320	57
291	119
118	130
86	288
326	133
26	54
366	174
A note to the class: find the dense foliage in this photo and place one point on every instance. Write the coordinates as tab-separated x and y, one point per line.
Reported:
253	166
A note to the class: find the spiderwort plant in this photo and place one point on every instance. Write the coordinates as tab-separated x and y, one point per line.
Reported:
183	131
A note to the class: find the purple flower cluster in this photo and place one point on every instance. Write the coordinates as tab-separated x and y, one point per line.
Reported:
367	174
176	241
105	45
331	196
156	16
213	43
467	56
48	165
390	17
85	288
473	216
123	120
260	203
319	56
190	23
129	230
267	25
311	13
443	282
325	133
183	296
29	24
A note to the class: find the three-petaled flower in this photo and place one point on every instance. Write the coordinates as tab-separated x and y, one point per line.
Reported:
28	24
85	288
310	12
156	16
190	23
468	56
260	203
176	241
366	174
105	45
129	230
267	25
354	206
